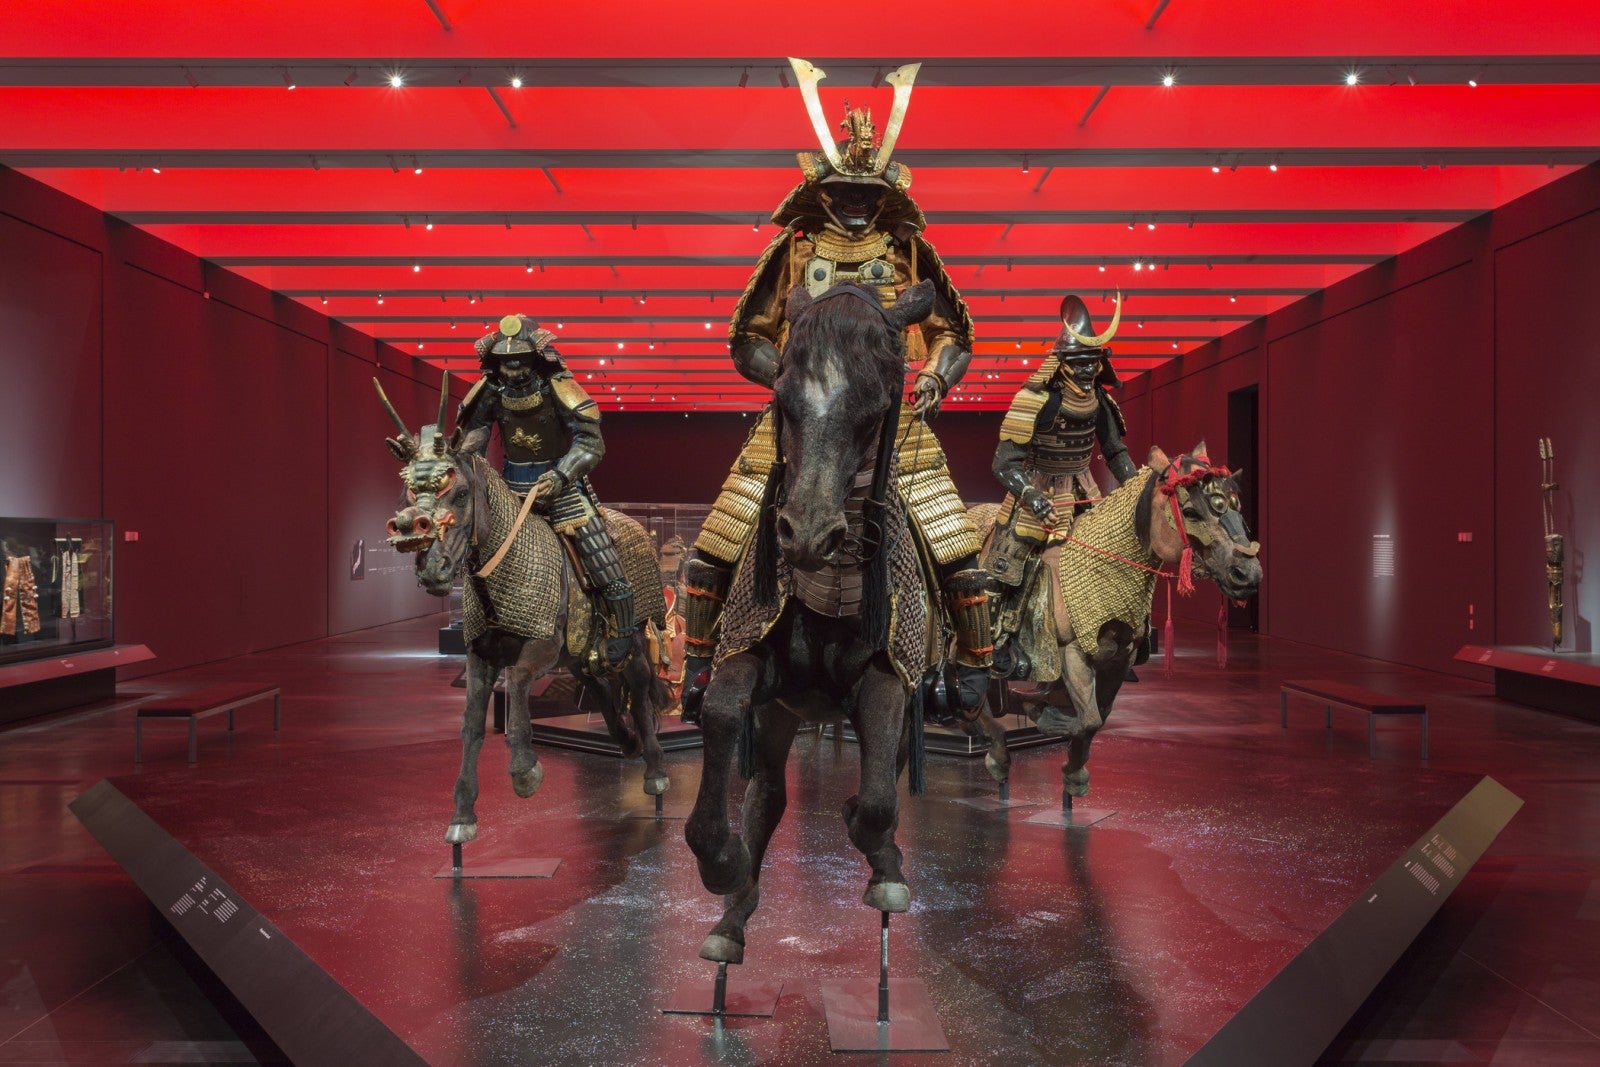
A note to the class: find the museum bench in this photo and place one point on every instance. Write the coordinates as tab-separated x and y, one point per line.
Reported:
200	703
1353	696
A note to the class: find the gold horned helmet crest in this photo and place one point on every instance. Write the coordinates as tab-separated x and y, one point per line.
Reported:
860	156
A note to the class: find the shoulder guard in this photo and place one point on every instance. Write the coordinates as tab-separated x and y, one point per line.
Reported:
1027	407
929	265
1114	408
477	395
764	266
572	398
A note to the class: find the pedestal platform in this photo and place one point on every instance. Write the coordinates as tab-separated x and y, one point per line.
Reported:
308	887
1555	680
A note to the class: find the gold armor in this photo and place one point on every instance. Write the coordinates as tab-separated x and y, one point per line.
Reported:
850	221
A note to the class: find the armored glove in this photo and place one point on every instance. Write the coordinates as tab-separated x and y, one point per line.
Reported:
927	393
1036	502
548	486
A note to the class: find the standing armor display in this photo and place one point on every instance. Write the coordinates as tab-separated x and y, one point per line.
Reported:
550	430
849	221
1047	441
19	613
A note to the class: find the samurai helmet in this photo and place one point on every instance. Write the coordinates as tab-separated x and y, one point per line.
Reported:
1078	342
511	338
858	159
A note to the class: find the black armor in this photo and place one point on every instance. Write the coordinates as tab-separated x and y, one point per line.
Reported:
550	430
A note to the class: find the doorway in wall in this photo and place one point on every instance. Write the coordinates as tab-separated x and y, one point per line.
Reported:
1244	454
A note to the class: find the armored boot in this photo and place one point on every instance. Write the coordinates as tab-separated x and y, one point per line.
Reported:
966	594
705	588
598	554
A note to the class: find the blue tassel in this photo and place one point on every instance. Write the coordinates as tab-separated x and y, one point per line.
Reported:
747	744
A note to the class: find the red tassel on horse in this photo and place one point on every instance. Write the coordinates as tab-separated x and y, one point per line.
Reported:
1222	635
1185	572
1169	653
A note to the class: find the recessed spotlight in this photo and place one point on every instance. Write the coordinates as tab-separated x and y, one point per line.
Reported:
1352	77
516	83
396	81
416	268
603	363
1168	80
708	326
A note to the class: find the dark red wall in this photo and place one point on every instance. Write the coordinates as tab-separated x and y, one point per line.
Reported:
666	458
1406	401
235	431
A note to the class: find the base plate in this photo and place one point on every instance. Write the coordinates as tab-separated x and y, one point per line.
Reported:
1079	817
853	1026
514	868
746	998
649	811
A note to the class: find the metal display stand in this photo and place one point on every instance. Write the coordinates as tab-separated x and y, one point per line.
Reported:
725	999
513	868
893	1016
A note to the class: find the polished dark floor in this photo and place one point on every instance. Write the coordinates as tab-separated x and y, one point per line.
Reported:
1234	840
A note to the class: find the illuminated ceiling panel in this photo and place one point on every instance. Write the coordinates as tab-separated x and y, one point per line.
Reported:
622	192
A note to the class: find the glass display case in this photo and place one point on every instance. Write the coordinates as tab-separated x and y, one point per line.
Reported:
57	594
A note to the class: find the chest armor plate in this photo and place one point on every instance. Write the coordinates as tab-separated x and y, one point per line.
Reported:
534	434
1067	444
823	274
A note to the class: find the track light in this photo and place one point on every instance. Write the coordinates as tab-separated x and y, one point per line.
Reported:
380	298
1149	225
188	76
744	78
428	223
350	78
416	268
288	82
1168	80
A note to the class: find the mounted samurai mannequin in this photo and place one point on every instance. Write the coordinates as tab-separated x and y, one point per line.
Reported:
550	430
849	222
1047	440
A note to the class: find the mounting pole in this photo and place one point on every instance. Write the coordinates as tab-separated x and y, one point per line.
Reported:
883	969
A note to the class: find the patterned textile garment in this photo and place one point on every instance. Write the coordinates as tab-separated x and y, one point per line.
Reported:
19	611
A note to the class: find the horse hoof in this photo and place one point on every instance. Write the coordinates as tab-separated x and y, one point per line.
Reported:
1076	783
996	769
888	896
720	949
460	833
655	785
526	783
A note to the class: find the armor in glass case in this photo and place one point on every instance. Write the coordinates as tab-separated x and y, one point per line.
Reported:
56	596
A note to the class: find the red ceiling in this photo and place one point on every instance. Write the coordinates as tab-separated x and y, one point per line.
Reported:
622	195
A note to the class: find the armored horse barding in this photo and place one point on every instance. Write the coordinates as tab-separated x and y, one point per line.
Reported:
525	609
1089	609
826	617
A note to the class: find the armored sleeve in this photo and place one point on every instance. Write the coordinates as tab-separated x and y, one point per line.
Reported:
582	418
477	410
1109	428
947	332
756	329
1009	460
